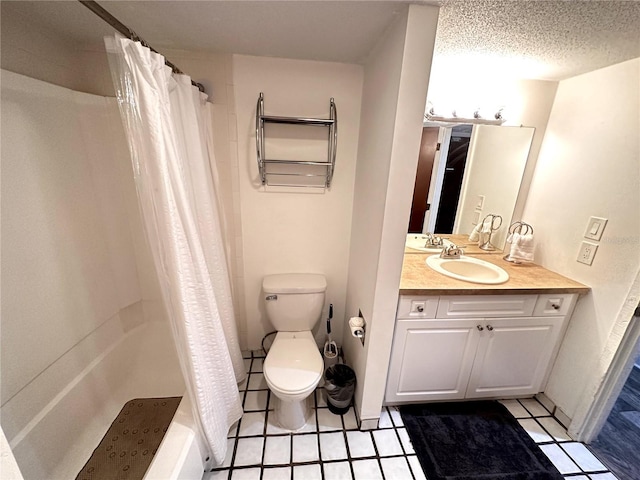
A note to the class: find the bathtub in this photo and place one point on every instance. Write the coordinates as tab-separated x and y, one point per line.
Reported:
142	363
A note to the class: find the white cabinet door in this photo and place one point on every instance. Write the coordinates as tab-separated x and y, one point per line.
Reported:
513	356
431	359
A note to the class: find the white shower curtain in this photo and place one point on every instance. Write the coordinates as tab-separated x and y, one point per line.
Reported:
168	129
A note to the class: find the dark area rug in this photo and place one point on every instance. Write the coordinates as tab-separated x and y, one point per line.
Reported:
129	445
473	441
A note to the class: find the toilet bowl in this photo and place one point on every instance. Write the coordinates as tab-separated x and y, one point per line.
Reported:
293	367
292	370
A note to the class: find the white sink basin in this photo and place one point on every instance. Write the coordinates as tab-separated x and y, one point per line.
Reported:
417	241
468	269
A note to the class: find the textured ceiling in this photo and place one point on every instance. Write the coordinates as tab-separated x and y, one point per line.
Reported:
518	38
542	39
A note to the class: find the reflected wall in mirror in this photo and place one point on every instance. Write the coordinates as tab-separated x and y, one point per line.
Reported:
477	170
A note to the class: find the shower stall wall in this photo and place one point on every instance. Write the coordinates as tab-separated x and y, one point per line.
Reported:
83	329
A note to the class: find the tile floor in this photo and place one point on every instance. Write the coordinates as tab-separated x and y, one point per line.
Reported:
332	447
573	459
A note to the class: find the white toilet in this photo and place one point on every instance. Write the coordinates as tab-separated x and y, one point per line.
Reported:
293	366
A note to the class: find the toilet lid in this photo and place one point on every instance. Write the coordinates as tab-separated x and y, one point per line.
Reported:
293	365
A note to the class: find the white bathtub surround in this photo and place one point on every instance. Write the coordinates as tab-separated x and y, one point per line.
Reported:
70	272
172	159
8	465
61	437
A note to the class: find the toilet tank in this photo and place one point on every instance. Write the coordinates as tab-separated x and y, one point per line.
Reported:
294	301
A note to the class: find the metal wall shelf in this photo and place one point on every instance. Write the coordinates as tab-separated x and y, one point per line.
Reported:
308	169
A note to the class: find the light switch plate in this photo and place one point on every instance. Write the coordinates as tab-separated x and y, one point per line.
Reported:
595	227
587	252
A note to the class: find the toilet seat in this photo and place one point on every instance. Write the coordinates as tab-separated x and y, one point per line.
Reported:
294	364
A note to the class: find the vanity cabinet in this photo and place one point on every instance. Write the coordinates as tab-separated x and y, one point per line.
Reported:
480	346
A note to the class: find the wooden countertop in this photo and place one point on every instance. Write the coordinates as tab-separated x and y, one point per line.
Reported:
419	279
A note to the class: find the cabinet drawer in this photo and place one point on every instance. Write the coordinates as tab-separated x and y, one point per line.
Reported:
486	306
554	304
417	307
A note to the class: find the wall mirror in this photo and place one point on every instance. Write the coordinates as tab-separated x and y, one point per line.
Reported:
466	172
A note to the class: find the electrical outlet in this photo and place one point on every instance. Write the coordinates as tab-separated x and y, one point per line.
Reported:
587	252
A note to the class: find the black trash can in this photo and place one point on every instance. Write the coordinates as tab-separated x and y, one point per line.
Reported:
340	384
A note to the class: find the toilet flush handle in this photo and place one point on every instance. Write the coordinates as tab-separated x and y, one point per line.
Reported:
271	297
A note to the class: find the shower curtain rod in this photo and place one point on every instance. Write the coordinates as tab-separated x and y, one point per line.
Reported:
127	32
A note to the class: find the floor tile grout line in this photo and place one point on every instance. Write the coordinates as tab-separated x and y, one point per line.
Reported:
581	470
397	429
553	439
529	411
586	472
233	456
291	454
349	459
404	451
375	448
315	411
264	432
549	433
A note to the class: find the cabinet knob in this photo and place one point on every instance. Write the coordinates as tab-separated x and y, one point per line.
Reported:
555	306
480	327
490	328
420	308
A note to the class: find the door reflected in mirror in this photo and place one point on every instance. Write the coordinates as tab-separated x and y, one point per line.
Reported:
466	172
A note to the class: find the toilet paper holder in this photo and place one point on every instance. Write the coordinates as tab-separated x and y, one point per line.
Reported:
357	325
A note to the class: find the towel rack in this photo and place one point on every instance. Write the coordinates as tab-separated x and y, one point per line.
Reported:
494	222
263	163
520	227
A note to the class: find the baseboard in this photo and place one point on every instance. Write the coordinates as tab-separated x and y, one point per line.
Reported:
562	417
546	402
369	424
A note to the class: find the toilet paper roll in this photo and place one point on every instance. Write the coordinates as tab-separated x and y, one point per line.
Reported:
356	322
357	332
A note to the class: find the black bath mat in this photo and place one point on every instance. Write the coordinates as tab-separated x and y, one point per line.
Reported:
129	445
473	441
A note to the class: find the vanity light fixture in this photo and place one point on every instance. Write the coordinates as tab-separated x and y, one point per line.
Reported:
477	119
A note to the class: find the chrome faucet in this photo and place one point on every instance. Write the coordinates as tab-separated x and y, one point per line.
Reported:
451	251
433	241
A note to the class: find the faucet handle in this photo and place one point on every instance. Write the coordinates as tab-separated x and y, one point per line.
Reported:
433	241
451	251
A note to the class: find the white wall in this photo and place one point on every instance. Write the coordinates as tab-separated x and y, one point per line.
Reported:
38	52
70	284
303	230
394	92
589	165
